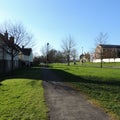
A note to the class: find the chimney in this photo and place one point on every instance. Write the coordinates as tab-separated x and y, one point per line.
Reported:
11	40
6	35
23	47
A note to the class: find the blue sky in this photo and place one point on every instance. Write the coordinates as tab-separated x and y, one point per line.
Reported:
52	20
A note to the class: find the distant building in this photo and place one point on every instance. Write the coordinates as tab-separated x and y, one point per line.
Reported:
85	57
26	56
108	51
103	51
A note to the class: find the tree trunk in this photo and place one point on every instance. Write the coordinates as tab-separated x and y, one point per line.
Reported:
68	60
12	61
101	58
12	64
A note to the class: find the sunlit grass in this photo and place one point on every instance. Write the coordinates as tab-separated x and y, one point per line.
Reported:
100	85
22	98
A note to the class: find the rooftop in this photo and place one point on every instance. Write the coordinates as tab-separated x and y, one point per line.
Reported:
109	46
26	51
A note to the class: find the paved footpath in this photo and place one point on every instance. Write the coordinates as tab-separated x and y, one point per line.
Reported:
64	103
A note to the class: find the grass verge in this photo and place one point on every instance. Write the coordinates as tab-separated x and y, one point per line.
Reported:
22	96
101	85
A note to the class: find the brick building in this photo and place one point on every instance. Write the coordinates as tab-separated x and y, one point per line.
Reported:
107	51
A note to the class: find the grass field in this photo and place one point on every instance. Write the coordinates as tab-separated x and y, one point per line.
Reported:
22	96
102	86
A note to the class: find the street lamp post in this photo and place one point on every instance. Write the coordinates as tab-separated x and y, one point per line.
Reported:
47	54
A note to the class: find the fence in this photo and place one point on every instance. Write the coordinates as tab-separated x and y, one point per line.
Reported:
6	65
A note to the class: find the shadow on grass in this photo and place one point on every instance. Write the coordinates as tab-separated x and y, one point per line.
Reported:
90	85
68	77
25	73
36	73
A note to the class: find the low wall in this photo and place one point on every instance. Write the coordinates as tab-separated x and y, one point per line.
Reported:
107	60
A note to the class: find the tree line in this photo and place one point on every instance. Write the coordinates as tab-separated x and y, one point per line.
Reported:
24	38
66	55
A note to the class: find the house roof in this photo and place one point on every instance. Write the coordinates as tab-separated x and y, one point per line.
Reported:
109	46
26	51
1	35
3	39
9	42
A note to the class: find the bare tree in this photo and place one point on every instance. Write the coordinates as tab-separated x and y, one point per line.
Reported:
68	45
19	32
100	40
45	52
16	36
74	55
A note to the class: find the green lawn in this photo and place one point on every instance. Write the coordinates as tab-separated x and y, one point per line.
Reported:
102	86
22	96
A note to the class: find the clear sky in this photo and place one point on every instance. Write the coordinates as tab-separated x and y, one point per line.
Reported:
52	20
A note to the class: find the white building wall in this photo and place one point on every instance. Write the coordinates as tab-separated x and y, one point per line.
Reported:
7	56
1	54
107	60
26	58
1	50
31	57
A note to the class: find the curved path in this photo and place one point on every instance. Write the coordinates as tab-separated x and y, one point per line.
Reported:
64	103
